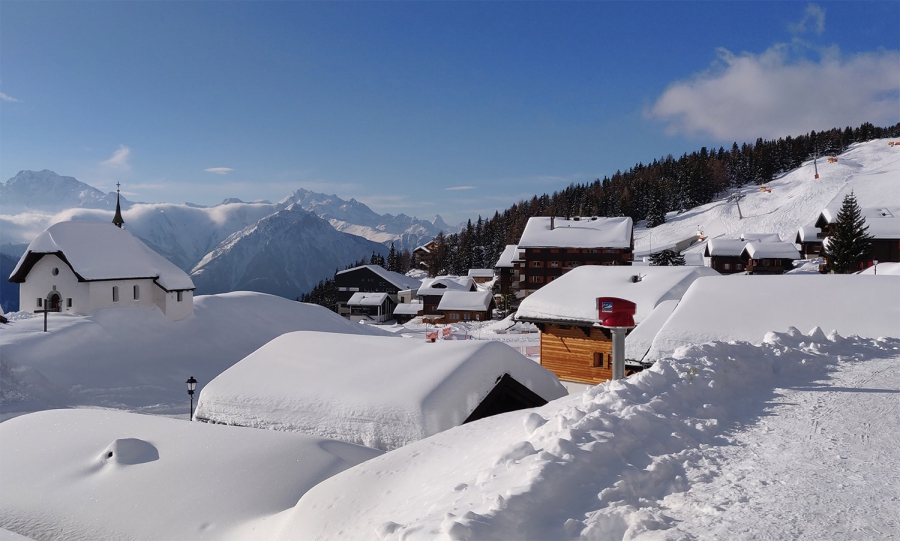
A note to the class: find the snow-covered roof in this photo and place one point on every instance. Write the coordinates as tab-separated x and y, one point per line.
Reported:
101	251
573	296
442	284
762	237
639	340
367	299
379	391
741	307
481	273
151	477
808	233
401	281
774	250
466	301
408	309
510	254
586	232
724	247
883	221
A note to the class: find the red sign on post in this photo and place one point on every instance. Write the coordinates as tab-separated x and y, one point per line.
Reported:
615	312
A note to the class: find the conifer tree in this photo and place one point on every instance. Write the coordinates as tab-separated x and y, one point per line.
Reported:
393	264
848	244
667	258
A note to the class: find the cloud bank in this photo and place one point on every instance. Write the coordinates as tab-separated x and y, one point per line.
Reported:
453	188
768	95
218	170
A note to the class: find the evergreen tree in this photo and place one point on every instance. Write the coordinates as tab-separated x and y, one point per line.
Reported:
848	244
393	262
656	206
667	258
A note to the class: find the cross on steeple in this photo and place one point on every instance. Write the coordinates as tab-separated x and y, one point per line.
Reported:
117	219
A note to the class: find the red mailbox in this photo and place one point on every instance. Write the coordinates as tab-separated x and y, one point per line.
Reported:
615	312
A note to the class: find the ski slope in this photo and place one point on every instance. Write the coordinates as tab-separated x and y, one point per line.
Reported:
871	170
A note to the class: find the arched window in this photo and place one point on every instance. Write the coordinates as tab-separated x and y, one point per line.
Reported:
137	292
115	293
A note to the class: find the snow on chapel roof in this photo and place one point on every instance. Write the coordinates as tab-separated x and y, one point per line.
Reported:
383	392
101	251
581	232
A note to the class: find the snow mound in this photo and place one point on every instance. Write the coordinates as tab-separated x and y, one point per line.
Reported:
159	478
593	466
378	391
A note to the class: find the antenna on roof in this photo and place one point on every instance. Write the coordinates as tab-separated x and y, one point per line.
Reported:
117	219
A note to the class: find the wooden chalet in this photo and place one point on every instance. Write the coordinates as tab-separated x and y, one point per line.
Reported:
809	241
422	255
462	306
551	246
432	289
769	257
504	267
404	312
372	307
369	279
724	255
883	226
481	276
573	344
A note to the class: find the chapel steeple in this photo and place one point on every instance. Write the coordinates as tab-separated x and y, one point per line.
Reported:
117	219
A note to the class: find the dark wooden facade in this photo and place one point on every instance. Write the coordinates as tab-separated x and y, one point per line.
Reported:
727	264
361	279
540	266
768	265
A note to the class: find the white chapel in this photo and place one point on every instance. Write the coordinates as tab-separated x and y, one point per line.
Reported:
81	267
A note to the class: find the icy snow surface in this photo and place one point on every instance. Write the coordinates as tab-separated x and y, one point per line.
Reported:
136	359
378	391
586	232
603	465
473	301
95	474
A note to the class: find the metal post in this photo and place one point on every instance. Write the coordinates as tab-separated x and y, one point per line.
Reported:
45	320
192	407
618	352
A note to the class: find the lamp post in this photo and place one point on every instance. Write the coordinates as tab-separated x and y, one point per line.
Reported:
191	384
875	266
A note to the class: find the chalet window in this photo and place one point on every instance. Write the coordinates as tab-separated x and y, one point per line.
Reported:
467	316
589	251
137	292
39	300
554	250
179	296
554	264
454	316
765	262
726	266
69	302
536	250
738	266
115	293
598	360
536	279
537	264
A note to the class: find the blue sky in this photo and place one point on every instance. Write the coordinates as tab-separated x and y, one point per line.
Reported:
456	108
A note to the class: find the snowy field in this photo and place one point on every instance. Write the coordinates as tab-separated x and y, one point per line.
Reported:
758	425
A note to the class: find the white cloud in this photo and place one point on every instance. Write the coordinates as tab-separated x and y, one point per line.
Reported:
219	170
460	188
4	97
814	16
742	97
119	159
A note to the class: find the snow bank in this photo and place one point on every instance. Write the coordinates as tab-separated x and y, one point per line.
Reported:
744	307
883	269
135	358
92	474
592	466
380	392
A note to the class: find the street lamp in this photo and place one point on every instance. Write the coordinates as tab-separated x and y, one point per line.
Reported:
875	266
192	384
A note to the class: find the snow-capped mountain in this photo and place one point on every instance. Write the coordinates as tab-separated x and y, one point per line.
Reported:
358	219
46	191
285	254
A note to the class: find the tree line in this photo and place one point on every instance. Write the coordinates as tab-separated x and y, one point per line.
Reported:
643	192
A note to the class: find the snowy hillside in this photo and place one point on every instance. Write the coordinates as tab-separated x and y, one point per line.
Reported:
136	359
285	254
871	170
48	192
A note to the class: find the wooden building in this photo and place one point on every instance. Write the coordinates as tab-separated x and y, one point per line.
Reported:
404	312
769	257
369	279
809	241
481	276
504	268
432	289
423	255
724	255
372	307
551	246
573	344
463	306
883	226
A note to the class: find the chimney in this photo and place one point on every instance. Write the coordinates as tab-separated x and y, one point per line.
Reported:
552	219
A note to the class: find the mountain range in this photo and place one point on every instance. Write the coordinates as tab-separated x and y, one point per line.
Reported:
282	248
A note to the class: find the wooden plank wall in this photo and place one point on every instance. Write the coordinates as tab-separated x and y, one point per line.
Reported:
569	354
